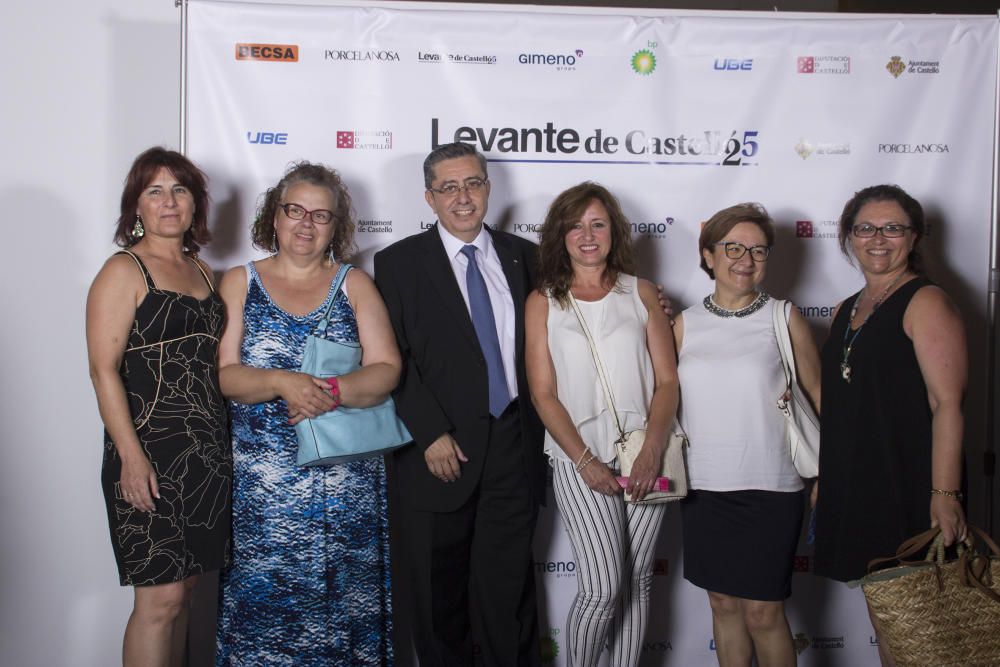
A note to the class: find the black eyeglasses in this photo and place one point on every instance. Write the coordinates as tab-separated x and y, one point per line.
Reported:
734	250
472	186
320	216
893	230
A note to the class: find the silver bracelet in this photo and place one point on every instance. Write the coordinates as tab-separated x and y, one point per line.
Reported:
584	464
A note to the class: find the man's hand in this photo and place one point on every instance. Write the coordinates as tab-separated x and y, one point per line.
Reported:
665	303
443	457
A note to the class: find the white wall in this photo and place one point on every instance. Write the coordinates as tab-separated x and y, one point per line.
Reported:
85	86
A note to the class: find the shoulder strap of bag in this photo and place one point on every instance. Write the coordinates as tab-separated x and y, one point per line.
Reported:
338	280
600	367
779	319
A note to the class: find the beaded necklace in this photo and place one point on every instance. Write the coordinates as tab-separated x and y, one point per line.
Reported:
755	305
845	367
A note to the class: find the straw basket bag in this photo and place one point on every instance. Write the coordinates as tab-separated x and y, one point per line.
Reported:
938	612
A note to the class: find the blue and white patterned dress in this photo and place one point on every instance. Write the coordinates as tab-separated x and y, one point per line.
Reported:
309	580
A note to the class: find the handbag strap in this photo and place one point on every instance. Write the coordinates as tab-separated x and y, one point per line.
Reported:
779	319
609	397
338	280
910	547
976	569
913	545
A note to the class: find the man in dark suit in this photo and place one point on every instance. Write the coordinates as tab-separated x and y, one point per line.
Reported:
470	485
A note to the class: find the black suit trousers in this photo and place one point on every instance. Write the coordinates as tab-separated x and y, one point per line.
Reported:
471	569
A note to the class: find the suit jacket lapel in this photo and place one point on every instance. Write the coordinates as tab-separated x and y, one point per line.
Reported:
437	264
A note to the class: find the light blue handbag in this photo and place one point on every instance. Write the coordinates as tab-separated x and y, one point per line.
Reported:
344	434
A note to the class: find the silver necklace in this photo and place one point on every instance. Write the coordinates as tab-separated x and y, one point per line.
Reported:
717	310
845	367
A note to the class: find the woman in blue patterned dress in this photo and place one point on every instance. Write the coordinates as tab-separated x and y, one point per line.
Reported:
309	581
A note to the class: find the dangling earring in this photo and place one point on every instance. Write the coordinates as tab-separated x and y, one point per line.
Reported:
138	231
274	239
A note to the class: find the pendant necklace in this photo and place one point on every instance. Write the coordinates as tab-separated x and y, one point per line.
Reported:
750	309
845	367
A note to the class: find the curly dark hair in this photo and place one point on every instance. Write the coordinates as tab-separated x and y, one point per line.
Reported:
723	222
555	272
878	193
141	174
342	244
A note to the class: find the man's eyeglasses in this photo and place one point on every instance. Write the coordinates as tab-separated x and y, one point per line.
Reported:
472	186
866	230
734	250
320	216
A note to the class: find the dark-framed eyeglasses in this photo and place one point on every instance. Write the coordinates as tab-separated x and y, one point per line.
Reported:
472	186
893	230
734	250
319	216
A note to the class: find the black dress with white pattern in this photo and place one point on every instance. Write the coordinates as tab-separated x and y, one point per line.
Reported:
171	380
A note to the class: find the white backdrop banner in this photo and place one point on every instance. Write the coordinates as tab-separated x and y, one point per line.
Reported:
679	114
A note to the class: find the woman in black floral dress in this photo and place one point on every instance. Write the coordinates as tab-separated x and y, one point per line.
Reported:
153	327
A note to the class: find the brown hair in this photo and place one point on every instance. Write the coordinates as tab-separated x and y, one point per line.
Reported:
878	193
342	244
142	173
723	222
555	272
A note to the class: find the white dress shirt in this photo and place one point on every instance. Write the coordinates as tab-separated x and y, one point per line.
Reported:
496	284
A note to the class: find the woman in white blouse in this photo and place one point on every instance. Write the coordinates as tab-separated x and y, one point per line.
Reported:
586	254
743	513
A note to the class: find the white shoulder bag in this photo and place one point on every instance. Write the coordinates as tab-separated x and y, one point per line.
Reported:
628	444
801	422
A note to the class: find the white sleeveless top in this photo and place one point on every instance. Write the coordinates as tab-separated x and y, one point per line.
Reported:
731	377
617	323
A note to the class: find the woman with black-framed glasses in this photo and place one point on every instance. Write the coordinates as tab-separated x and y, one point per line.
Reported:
309	580
743	514
894	372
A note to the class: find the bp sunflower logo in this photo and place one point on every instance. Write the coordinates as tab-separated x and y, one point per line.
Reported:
643	62
549	650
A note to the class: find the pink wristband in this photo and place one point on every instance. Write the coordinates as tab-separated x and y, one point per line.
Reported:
334	385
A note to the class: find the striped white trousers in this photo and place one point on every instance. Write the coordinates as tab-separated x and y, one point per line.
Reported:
613	542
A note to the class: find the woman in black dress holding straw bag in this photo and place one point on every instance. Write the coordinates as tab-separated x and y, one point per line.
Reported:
894	372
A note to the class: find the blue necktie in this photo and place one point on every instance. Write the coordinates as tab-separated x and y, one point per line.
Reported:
486	331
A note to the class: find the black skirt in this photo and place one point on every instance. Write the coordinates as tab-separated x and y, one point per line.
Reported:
742	543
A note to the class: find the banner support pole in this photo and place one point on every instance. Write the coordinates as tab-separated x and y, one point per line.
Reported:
182	142
993	287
